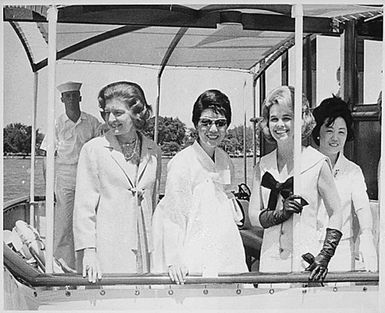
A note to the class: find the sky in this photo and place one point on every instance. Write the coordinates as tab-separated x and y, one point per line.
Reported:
180	87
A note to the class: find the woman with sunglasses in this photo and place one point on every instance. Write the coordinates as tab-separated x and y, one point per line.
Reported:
272	203
194	225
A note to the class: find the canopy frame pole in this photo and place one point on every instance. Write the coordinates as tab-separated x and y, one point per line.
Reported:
33	154
244	135
381	261
298	14
165	59
50	176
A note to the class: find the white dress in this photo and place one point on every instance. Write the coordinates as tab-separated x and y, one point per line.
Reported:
278	252
351	186
194	224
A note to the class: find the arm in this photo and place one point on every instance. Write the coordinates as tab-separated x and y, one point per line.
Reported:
255	205
268	217
329	194
43	147
237	209
155	193
361	206
174	210
328	191
87	196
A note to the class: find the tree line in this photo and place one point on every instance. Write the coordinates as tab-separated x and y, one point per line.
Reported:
173	136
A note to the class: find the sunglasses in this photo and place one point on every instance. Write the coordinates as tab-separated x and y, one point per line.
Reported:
207	122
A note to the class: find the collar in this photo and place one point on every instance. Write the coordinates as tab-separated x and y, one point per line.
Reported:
309	158
203	155
338	167
146	144
83	116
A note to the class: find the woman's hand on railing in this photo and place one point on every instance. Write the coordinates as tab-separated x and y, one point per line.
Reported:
178	273
91	266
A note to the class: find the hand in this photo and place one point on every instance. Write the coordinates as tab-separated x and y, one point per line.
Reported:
270	217
291	205
177	273
319	268
91	266
368	251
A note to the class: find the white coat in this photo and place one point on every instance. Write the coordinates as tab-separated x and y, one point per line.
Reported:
113	211
278	251
194	223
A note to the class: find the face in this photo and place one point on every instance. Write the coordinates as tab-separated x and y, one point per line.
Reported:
211	128
281	123
71	97
118	117
333	137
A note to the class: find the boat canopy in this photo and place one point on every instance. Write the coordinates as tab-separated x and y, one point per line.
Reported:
228	36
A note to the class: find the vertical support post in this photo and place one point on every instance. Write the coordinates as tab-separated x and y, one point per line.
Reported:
262	96
52	20
244	136
156	120
381	268
298	14
254	124
33	155
349	74
307	73
1	104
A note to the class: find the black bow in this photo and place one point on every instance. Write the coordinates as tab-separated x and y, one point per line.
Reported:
285	189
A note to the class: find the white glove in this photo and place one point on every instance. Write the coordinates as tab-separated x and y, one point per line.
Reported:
368	251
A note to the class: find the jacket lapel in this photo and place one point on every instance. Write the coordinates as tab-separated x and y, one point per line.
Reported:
118	157
146	153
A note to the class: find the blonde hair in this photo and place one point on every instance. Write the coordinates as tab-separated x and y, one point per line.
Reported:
285	95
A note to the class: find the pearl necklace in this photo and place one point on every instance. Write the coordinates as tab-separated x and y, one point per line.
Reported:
129	149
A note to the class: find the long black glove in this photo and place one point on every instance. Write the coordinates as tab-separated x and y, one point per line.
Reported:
319	267
270	217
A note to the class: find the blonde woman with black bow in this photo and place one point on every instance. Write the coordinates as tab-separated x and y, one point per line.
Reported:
272	203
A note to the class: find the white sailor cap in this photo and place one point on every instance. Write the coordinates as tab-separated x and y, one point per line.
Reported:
69	86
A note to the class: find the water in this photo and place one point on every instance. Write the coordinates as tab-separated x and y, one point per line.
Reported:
17	176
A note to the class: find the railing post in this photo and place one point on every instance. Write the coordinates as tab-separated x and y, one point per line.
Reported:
381	189
33	155
50	176
298	14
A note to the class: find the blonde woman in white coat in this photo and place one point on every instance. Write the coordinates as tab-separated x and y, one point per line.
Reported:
117	187
272	203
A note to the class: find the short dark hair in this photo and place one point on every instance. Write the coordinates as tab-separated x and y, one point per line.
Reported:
328	110
214	100
132	95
